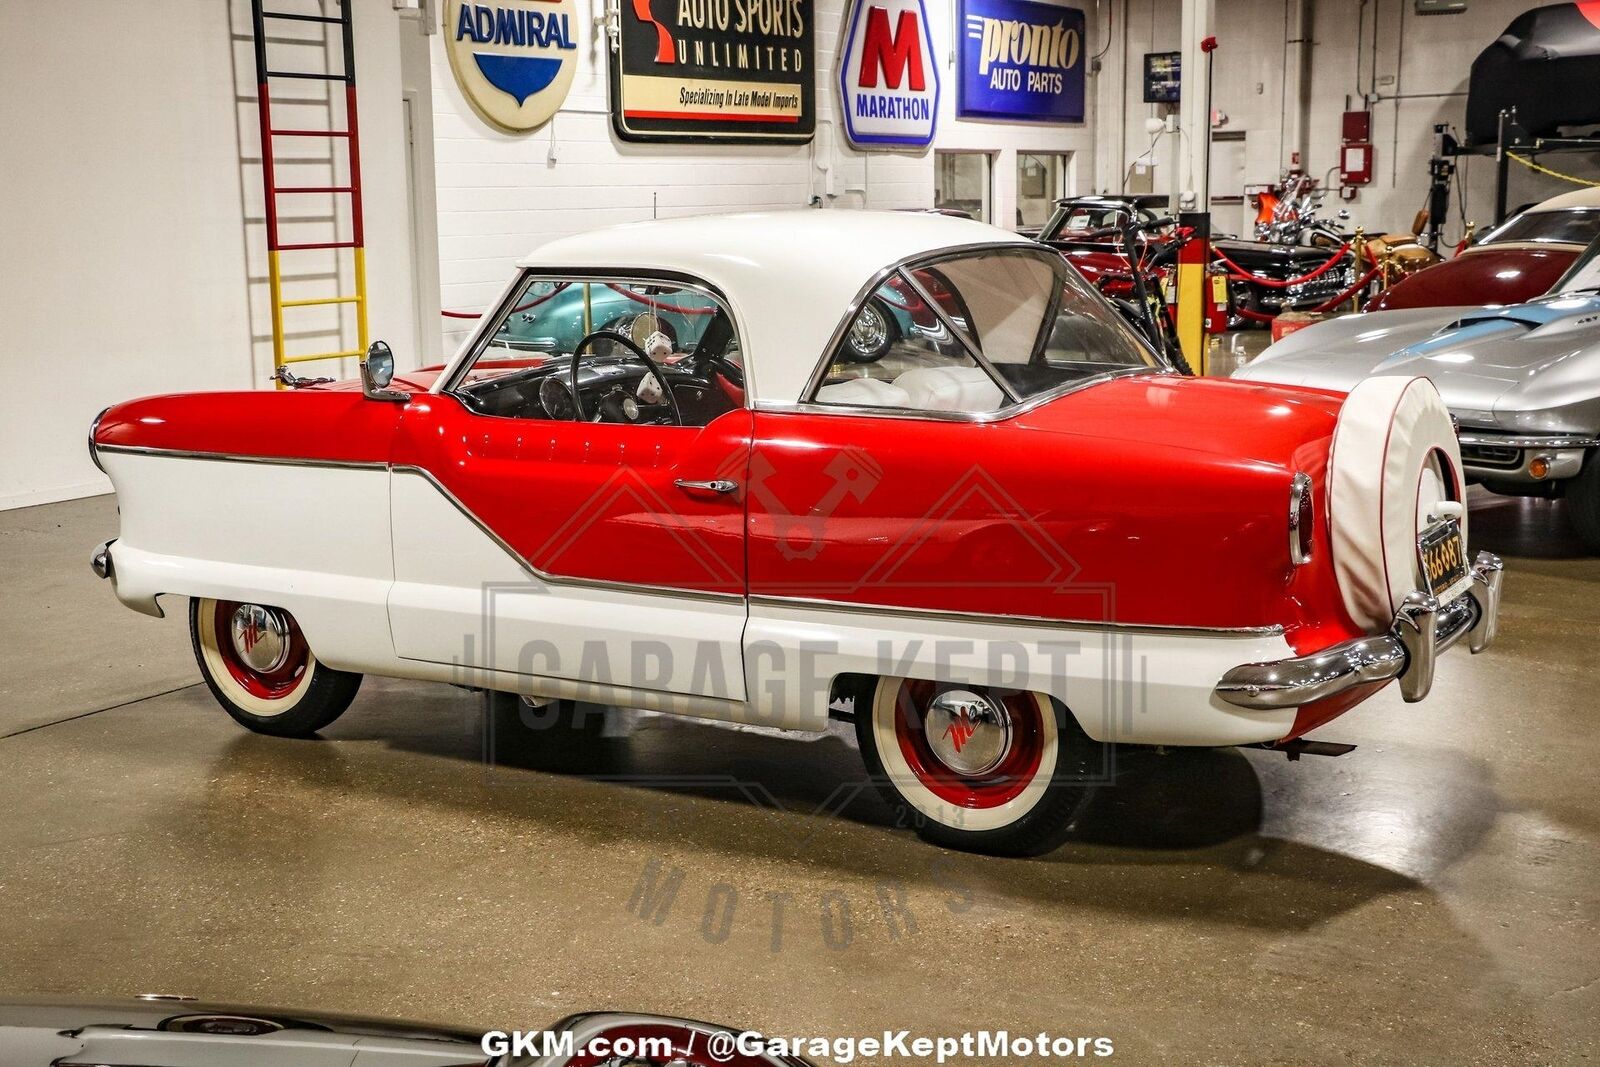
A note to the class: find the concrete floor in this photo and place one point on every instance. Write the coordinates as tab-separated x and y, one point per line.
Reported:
1431	897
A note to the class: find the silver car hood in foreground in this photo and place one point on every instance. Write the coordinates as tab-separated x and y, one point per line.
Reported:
1532	368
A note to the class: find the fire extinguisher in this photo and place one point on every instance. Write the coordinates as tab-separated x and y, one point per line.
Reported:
1216	300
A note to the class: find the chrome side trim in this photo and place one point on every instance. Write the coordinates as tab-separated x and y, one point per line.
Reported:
559	579
999	415
853	608
94	427
1299	496
1422	630
234	457
1526	441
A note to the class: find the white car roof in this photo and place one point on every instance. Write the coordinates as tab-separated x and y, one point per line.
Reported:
789	276
1567	201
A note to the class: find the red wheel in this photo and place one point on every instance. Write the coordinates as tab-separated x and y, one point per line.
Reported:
258	665
975	767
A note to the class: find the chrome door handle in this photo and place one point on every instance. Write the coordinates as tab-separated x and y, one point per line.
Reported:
716	485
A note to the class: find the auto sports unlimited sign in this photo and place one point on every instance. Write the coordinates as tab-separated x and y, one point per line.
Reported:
514	59
714	70
888	80
1020	60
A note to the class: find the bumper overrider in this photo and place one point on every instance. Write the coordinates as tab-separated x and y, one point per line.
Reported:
100	561
1423	628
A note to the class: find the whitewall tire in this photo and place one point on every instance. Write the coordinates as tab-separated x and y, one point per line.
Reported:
257	664
974	767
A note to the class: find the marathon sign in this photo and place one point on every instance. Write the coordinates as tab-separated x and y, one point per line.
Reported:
1020	60
888	77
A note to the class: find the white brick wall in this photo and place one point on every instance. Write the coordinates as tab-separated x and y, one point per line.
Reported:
1427	63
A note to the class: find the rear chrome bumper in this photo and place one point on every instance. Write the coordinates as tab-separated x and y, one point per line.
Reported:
1422	629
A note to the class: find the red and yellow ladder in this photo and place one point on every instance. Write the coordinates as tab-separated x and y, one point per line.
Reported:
269	132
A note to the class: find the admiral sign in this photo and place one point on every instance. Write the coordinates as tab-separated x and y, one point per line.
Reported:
514	59
888	79
1020	60
714	70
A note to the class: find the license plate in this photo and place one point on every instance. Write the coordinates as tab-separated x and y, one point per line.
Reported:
1444	557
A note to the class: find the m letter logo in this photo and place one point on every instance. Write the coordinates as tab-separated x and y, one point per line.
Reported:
892	54
888	81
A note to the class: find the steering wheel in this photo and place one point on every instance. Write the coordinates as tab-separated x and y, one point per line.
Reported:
633	349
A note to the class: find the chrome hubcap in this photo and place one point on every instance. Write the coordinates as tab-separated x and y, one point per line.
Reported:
968	732
869	332
260	637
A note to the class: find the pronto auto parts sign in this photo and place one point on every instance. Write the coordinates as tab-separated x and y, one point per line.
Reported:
714	70
888	79
1020	60
514	59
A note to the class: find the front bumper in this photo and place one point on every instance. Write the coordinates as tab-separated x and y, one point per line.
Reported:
1422	629
1508	459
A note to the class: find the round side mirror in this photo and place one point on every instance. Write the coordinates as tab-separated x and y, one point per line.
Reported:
380	365
377	371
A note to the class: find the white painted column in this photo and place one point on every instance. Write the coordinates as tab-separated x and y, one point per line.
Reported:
1199	19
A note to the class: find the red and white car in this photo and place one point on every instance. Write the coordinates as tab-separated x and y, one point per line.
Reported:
1014	539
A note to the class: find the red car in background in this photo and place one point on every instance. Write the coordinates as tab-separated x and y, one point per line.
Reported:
1510	264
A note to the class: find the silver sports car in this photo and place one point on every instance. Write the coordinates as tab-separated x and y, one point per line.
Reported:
1523	382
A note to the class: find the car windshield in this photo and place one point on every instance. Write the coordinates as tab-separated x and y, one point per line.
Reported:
1584	274
549	316
1576	226
622	350
978	332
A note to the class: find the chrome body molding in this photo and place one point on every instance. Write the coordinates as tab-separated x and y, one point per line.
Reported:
1301	510
94	449
235	457
851	607
1423	628
1500	440
813	407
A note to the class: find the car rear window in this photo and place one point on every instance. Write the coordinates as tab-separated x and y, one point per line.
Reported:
1576	226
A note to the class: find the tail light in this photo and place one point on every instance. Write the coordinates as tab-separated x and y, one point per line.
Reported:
1302	519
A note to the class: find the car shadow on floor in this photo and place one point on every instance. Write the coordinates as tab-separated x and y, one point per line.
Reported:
1179	834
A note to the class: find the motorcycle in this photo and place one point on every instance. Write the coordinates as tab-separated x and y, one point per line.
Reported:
1302	261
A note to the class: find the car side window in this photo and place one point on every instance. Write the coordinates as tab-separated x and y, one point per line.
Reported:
976	332
900	352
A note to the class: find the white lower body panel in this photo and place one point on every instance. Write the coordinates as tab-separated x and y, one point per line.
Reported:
1126	685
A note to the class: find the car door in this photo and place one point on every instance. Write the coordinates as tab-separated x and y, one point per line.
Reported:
593	552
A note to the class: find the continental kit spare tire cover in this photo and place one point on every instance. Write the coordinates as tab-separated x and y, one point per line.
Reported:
1395	458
